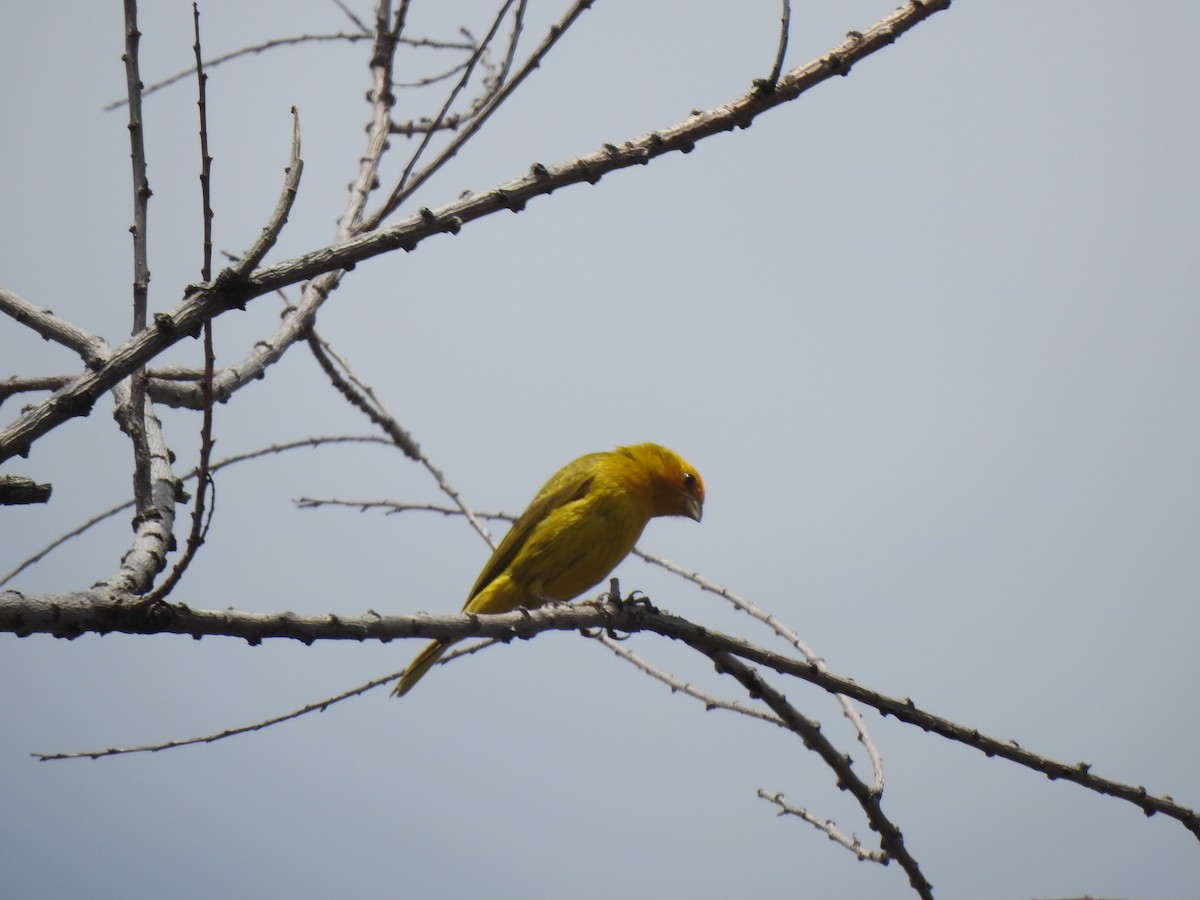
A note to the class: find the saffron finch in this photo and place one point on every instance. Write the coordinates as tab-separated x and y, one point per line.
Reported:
581	524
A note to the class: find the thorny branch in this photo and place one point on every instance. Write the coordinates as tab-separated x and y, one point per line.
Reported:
891	840
347	37
853	844
229	290
785	27
103	611
200	522
409	183
272	449
361	236
131	406
744	605
404	188
153	481
738	602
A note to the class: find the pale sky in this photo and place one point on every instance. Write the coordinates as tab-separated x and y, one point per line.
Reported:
929	333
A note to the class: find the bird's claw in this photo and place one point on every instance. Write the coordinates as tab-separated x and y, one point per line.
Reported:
636	599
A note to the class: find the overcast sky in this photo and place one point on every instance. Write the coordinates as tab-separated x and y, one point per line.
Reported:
929	333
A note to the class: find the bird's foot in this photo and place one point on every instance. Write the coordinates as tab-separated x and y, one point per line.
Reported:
635	598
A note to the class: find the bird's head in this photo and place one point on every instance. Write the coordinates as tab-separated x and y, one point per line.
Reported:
676	486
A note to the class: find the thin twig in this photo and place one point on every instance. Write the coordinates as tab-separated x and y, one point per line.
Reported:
678	685
228	461
131	415
353	17
768	619
430	80
359	394
514	38
463	80
200	523
244	51
851	843
283	206
785	27
298	320
318	706
363	397
407	186
254	49
890	838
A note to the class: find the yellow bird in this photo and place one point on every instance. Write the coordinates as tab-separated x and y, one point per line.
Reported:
581	524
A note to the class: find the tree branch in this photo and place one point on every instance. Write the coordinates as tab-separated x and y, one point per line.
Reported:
200	521
232	291
19	490
890	838
90	348
103	611
131	406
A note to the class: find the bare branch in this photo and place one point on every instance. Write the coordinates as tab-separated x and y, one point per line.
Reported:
848	708
131	415
741	603
430	80
229	461
382	99
348	37
785	27
399	192
200	522
360	395
890	838
353	17
853	844
319	706
141	185
283	207
364	397
678	685
391	507
229	291
407	185
18	490
154	523
297	321
14	385
514	38
153	482
62	539
90	348
102	610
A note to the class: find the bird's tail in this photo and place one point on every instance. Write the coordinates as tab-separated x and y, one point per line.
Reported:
425	661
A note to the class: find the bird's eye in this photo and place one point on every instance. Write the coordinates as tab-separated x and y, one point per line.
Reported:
689	480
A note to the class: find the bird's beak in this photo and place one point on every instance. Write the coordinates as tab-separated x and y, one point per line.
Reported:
692	508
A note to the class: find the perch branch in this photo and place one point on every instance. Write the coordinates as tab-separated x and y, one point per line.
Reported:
103	611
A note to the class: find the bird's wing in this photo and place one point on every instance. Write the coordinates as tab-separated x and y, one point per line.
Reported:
570	484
